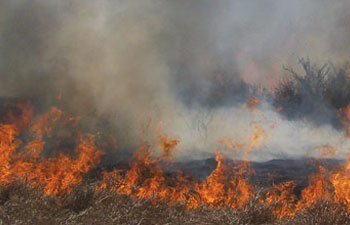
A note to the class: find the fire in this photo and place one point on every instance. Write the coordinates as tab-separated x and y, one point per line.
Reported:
149	175
255	140
55	175
253	103
46	123
8	145
341	183
166	144
348	73
319	189
25	110
225	186
326	151
283	198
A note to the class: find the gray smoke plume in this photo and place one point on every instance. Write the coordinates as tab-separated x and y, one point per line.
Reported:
181	62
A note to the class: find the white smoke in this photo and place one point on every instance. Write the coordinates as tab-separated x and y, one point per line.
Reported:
132	61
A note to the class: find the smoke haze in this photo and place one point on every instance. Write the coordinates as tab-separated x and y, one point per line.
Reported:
169	61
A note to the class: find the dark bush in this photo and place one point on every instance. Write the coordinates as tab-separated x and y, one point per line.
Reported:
315	95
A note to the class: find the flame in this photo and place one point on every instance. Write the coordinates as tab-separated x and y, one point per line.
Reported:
253	103
56	175
326	150
283	198
149	176
348	73
223	187
227	186
255	140
46	123
341	183
166	144
318	189
8	145
23	119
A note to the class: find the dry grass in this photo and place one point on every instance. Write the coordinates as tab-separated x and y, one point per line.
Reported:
21	204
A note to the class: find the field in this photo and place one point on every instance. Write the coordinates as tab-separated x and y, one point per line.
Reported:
22	204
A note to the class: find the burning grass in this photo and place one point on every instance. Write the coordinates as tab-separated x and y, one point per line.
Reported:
39	188
23	204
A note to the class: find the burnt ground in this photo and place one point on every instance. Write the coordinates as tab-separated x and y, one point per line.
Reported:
270	172
264	175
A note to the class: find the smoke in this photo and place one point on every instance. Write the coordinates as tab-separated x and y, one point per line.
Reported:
130	62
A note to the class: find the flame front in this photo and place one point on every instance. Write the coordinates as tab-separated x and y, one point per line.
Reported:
56	175
228	185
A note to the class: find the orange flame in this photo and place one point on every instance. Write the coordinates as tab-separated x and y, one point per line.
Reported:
253	103
166	144
227	185
56	175
283	198
341	183
318	189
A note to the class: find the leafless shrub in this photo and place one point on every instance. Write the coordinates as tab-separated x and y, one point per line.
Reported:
316	94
